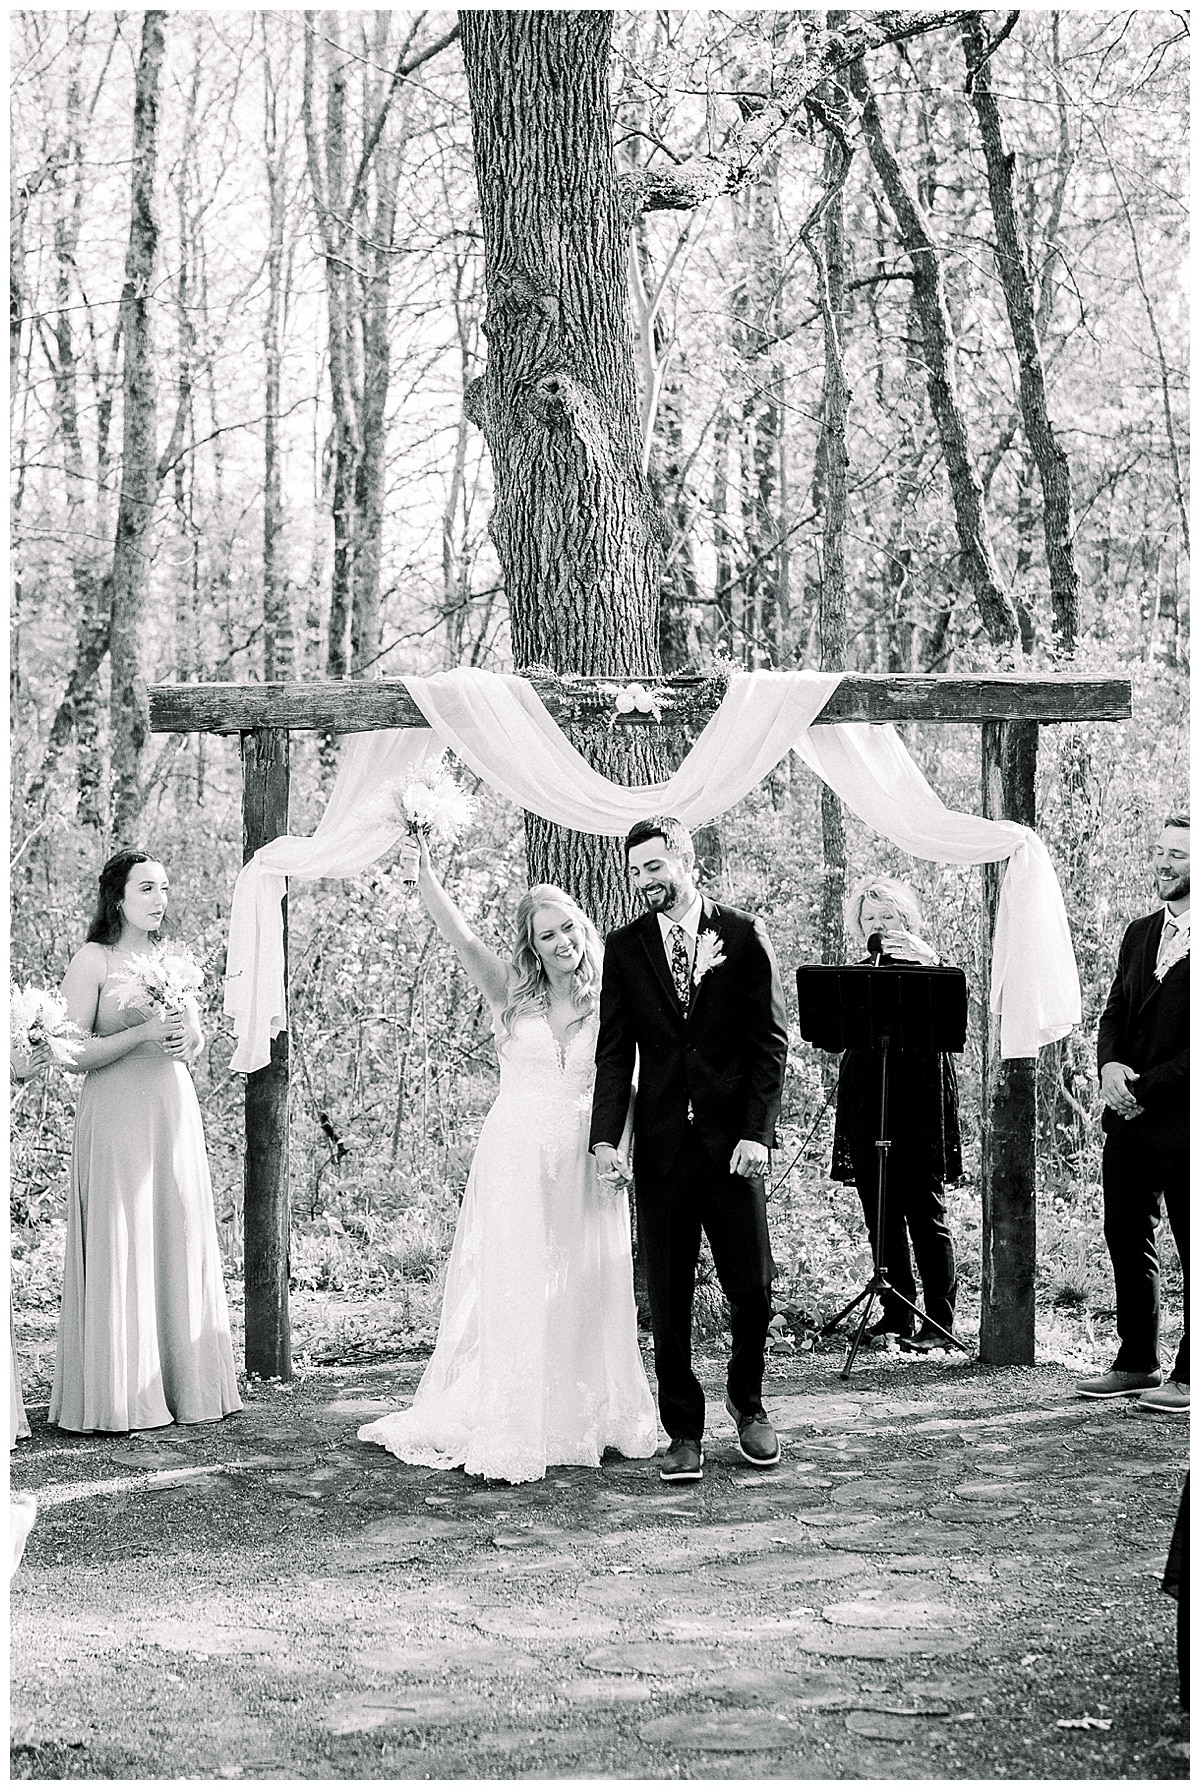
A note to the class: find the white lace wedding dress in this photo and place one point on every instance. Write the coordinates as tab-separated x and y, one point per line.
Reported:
537	1361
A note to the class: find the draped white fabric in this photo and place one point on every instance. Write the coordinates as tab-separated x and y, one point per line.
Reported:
499	726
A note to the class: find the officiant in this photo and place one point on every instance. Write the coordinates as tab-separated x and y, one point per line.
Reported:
925	1153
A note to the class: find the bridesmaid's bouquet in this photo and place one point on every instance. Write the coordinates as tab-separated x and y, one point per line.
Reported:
163	980
432	805
38	1017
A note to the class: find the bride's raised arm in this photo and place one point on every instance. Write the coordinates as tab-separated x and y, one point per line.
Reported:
488	971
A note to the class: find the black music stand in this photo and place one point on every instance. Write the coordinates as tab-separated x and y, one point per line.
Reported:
885	1006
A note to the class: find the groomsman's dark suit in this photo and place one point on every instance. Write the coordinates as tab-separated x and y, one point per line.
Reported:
708	1077
1145	1025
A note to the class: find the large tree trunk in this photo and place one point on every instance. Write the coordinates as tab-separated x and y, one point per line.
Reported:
574	522
139	471
1058	517
974	539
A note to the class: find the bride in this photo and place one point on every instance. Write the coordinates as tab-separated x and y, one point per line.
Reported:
537	1361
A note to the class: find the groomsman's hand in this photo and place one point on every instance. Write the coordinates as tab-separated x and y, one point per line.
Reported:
1114	1089
749	1159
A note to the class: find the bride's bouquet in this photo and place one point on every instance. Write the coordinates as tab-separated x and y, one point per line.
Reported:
36	1017
163	980
432	805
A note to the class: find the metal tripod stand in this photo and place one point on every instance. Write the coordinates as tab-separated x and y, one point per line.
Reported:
879	1284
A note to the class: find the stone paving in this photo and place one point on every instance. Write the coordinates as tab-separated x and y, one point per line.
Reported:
953	1573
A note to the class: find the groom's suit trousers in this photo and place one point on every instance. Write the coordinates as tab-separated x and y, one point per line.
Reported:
699	1194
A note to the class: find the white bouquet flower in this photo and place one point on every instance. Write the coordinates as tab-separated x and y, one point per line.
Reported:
163	980
432	805
36	1017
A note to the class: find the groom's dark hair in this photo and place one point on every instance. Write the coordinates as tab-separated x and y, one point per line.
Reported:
672	832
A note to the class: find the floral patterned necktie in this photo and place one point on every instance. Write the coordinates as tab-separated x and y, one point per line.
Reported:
681	969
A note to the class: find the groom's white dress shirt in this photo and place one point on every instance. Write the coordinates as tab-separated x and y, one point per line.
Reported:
691	927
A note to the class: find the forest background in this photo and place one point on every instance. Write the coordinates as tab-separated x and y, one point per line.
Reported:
250	439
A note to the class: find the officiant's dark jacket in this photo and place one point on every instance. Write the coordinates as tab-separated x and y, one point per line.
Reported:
1145	1024
724	1059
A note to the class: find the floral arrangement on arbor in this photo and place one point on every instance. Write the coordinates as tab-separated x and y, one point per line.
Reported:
635	699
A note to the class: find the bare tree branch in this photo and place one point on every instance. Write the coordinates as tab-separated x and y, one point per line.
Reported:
826	54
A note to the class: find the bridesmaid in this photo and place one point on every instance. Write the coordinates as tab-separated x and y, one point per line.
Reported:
143	1337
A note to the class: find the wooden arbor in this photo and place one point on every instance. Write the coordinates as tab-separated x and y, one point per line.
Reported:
1010	709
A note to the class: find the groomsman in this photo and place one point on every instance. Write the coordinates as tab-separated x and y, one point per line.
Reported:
1143	1057
693	989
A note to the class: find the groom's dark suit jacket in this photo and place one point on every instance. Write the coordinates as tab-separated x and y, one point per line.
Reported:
725	1058
1145	1024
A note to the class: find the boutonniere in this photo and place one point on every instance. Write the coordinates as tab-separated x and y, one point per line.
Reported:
710	955
1179	947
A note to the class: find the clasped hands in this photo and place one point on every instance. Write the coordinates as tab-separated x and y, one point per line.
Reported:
748	1159
1115	1092
176	1034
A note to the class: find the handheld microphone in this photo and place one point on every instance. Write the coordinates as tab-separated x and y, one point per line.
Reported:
875	946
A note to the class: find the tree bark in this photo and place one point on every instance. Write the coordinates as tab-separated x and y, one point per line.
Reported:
723	630
327	156
663	453
974	539
757	301
347	172
139	470
78	710
279	644
823	233
576	529
1058	517
376	374
456	551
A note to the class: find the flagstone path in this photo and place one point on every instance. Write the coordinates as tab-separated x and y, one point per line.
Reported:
953	1573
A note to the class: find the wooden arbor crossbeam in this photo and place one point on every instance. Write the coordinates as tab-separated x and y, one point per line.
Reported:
1010	708
365	707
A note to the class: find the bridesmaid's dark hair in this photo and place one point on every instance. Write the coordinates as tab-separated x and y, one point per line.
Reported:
105	928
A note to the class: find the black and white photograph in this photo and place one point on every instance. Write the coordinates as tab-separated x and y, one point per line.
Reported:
599	863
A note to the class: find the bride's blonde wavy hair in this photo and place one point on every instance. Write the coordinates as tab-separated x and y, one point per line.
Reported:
529	990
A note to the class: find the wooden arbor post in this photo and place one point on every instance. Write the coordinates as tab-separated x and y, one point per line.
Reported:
266	1198
1010	708
1008	1097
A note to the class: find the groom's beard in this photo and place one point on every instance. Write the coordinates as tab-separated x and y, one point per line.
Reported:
659	896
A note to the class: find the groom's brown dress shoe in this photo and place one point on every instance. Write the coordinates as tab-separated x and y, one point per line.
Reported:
757	1441
683	1460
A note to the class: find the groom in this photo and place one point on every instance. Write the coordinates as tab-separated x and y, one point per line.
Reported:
694	989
